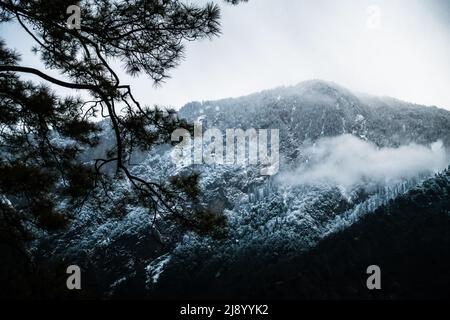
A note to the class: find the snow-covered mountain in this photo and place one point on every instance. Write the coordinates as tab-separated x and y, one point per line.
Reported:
315	109
342	155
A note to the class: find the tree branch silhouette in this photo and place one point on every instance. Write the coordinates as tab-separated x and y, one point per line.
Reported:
36	172
44	76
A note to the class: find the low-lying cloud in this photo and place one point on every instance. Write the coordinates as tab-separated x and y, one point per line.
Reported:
348	161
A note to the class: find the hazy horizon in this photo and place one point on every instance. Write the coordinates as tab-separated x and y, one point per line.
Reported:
264	45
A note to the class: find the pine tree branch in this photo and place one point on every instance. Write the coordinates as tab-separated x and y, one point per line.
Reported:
44	76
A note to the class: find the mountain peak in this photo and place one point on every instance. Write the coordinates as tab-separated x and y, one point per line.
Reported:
318	83
322	86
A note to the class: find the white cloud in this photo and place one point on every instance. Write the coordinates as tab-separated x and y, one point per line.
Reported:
348	161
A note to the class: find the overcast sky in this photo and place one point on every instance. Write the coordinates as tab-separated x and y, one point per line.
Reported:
267	43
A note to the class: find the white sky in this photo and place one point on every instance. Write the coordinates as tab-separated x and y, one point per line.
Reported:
268	43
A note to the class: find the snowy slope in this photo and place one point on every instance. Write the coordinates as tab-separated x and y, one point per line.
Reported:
268	218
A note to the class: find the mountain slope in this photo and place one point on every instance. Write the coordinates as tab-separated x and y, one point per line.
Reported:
314	109
408	239
269	220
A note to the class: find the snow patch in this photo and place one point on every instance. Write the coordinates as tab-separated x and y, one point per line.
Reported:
156	268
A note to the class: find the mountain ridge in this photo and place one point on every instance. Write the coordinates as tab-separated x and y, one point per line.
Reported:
266	219
320	84
315	109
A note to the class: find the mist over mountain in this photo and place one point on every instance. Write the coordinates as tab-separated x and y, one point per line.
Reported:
348	161
342	156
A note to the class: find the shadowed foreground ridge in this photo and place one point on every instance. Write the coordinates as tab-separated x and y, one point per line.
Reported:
408	238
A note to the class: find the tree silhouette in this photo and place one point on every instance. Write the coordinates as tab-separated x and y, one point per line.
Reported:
37	170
